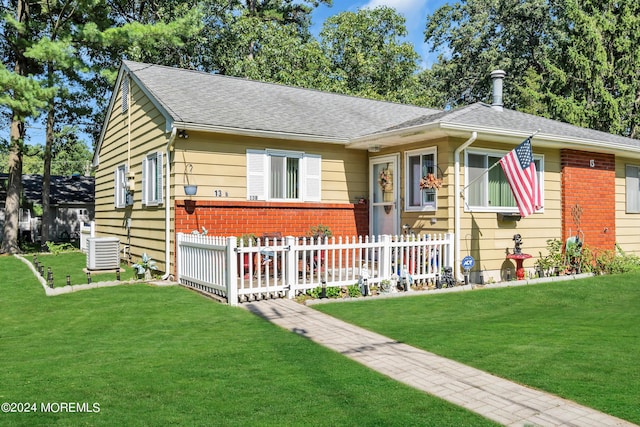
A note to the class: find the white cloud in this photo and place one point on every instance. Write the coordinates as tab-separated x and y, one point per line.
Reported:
405	7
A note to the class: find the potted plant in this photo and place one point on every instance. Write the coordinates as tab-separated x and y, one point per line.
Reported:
145	266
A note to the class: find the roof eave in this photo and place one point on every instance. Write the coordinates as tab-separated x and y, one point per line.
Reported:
429	131
258	133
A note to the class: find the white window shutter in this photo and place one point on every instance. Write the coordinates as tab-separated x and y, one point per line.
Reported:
159	178
312	178
144	180
116	189
633	189
256	175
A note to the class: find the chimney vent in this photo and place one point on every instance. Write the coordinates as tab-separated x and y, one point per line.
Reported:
496	102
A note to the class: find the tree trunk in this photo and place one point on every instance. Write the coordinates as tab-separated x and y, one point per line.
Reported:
14	189
46	178
16	137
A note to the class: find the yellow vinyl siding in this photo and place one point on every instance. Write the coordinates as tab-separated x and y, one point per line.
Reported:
482	235
487	239
627	224
147	135
219	165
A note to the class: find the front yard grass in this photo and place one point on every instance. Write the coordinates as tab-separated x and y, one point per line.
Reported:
72	264
167	356
578	339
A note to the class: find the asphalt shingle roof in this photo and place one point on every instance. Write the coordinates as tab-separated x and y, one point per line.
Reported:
483	115
64	189
199	98
204	99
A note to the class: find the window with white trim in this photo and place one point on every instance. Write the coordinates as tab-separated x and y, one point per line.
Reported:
419	164
120	186
490	191
152	179
283	175
632	184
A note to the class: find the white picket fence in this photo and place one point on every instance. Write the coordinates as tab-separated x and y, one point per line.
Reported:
288	266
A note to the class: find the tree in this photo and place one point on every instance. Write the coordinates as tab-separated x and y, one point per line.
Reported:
21	96
480	36
595	78
366	55
574	61
65	43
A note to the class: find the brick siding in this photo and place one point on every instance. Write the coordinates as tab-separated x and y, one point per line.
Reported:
588	181
223	218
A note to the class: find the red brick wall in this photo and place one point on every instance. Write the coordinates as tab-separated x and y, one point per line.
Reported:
588	180
224	218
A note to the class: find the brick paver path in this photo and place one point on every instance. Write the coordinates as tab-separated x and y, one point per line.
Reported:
495	398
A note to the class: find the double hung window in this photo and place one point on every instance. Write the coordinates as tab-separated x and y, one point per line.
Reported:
120	186
152	179
633	188
283	175
419	164
490	191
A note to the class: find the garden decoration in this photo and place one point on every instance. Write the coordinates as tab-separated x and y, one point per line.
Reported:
144	267
446	280
517	239
518	256
385	181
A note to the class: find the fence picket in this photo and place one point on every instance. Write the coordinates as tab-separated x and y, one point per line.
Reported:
288	266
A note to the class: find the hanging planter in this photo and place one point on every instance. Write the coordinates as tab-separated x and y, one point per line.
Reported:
189	189
432	180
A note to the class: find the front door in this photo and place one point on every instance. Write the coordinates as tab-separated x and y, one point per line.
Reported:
384	188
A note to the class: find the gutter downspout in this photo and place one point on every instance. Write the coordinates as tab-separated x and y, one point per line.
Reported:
456	183
167	206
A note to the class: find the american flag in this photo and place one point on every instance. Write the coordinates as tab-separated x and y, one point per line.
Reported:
520	170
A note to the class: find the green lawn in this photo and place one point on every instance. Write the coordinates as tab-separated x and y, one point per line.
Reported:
72	264
578	339
167	356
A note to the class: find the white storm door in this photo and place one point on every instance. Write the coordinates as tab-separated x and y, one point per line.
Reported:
384	189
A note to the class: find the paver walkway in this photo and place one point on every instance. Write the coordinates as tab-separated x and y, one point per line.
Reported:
495	398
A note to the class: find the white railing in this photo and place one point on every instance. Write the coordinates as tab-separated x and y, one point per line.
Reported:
87	230
288	266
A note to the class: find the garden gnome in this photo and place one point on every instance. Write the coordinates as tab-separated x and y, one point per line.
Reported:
518	241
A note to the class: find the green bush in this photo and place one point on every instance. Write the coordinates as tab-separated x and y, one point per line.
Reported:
57	248
615	262
354	291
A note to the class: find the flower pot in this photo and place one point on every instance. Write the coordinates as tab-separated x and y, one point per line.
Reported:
190	190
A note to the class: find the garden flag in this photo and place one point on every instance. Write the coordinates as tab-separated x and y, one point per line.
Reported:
520	170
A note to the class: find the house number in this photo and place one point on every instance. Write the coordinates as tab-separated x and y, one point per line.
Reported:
592	163
219	193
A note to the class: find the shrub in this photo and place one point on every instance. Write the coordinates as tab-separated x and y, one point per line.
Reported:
615	262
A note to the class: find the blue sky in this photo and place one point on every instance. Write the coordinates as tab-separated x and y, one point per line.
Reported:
414	11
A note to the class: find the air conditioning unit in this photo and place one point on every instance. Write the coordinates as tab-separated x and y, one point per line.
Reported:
103	253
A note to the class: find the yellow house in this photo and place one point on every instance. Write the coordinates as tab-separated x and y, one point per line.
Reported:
183	151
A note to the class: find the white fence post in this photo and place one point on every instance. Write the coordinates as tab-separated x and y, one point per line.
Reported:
291	272
385	257
232	271
449	252
179	259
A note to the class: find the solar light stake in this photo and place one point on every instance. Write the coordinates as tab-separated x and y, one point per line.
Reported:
68	280
88	277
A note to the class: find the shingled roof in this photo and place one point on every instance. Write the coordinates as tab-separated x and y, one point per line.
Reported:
197	100
65	190
193	98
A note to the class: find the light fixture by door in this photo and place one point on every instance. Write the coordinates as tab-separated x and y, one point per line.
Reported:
183	134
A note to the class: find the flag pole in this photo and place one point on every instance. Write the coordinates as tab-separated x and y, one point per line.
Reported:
489	168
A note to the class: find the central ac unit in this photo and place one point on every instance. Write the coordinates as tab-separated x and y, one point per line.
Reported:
103	253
